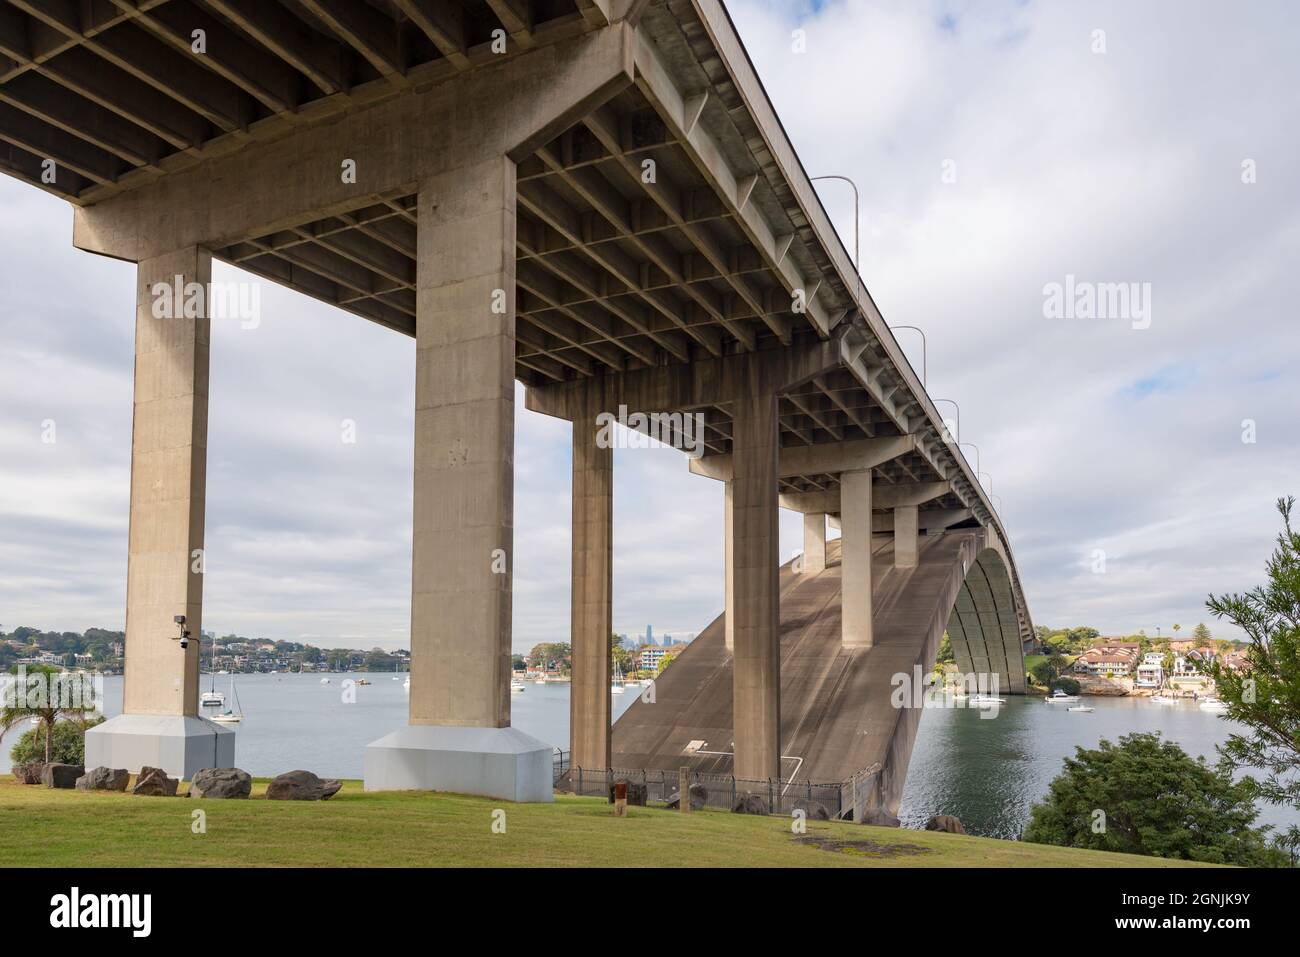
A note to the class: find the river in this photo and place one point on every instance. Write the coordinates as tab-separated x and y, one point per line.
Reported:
987	772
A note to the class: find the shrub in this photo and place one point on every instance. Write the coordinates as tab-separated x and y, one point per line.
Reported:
69	743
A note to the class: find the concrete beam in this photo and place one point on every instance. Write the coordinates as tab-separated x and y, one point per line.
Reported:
509	108
905	536
929	520
830	458
681	387
912	493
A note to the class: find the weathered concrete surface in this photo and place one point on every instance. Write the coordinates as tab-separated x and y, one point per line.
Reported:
464	449
169	449
905	532
754	565
592	573
814	543
855	525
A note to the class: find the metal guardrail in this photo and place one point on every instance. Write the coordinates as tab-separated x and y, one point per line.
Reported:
720	790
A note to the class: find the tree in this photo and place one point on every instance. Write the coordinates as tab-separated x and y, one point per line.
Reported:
1201	634
1147	796
619	656
1265	695
67	745
47	695
1068	685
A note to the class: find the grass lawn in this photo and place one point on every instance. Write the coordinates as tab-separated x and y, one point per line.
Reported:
43	827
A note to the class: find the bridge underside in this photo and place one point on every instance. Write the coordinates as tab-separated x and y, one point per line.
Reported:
839	716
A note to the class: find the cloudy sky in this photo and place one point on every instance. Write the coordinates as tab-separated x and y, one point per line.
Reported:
997	148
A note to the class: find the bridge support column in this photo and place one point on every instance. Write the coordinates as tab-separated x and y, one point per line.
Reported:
905	536
855	565
814	542
160	724
592	594
459	736
754	571
728	580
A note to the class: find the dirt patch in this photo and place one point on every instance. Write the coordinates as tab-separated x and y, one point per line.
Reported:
863	848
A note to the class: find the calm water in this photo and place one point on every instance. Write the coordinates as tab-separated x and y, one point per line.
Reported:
985	771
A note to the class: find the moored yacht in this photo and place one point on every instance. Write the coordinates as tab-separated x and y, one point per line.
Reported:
1060	697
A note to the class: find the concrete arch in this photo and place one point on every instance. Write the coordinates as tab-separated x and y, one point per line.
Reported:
984	627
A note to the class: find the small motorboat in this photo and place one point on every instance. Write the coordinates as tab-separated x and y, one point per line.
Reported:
406	685
1082	709
984	699
1214	705
516	687
324	681
1060	697
1164	699
364	681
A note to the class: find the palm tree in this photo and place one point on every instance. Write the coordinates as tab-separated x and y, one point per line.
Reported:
45	704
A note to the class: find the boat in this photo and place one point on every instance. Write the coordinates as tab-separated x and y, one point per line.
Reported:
324	681
985	699
1164	699
1082	709
616	686
1060	697
1214	705
516	686
231	715
406	685
213	698
363	681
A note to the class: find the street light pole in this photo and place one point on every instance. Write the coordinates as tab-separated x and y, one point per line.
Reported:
977	454
958	408
857	262
924	360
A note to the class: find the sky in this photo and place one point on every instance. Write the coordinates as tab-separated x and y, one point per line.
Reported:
999	148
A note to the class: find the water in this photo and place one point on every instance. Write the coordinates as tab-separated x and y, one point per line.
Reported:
294	721
987	772
984	771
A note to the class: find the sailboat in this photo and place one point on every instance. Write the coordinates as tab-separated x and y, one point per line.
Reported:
231	716
213	698
616	686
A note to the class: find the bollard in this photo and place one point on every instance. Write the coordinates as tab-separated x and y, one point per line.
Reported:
684	790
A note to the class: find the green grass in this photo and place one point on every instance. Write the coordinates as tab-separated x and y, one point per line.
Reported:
42	827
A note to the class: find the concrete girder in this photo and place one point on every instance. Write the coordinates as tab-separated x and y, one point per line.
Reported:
831	458
883	497
506	109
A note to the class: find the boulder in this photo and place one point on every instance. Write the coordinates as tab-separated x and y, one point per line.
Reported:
699	796
154	782
221	783
813	810
29	773
879	817
61	775
104	779
302	786
946	823
750	803
635	792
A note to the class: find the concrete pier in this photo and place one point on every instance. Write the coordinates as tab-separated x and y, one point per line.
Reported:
855	535
814	542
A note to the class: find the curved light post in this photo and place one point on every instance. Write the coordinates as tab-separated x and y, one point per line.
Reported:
958	408
857	263
924	360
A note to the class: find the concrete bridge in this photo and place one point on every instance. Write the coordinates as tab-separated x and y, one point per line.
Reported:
594	197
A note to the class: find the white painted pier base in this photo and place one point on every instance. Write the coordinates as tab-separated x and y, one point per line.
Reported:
179	744
503	763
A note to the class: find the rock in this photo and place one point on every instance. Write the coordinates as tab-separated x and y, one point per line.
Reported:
750	803
104	779
813	810
302	786
154	782
699	796
29	773
221	783
946	823
879	817
61	775
635	792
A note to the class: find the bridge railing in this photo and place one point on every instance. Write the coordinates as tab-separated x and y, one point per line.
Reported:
719	790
